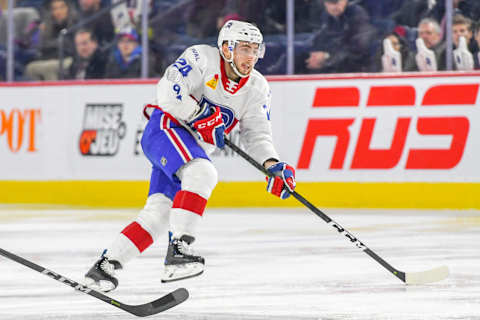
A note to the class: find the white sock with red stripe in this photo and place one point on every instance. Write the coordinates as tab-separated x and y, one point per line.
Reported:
122	249
198	177
187	211
152	222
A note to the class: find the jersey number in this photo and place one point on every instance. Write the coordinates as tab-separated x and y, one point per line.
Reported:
182	66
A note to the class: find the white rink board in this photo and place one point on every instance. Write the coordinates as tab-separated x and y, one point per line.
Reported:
296	100
48	148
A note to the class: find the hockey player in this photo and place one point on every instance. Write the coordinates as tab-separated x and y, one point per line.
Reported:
203	95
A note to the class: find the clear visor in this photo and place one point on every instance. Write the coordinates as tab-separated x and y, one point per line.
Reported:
249	49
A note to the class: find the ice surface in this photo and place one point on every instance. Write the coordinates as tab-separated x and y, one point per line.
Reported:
261	264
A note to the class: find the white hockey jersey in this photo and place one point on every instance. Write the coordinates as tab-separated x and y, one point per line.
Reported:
198	77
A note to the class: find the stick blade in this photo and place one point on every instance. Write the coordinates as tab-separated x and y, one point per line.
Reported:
164	303
429	276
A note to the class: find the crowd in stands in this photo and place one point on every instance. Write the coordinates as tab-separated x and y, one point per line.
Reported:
331	36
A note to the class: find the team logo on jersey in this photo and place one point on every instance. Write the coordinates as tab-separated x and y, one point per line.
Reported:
103	129
213	82
228	115
231	86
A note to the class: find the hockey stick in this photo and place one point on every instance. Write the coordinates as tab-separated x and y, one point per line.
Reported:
142	310
432	275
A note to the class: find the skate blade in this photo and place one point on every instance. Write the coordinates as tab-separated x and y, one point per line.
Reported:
181	272
99	285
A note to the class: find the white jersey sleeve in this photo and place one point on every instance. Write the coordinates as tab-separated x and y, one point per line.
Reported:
255	126
178	82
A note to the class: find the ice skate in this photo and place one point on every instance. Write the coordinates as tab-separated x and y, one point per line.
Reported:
101	276
181	262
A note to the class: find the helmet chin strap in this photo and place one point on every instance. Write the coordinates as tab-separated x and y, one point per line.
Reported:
234	67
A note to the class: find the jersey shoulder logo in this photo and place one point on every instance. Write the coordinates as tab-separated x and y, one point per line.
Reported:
213	82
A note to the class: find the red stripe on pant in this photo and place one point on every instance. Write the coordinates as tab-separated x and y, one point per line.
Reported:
179	144
139	236
189	201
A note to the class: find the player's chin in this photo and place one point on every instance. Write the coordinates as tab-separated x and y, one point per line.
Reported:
246	70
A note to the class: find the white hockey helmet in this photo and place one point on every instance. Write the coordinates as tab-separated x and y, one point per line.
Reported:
234	31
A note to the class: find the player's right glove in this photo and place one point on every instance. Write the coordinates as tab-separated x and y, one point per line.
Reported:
209	126
282	181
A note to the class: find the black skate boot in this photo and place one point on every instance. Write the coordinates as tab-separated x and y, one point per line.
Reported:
181	262
101	276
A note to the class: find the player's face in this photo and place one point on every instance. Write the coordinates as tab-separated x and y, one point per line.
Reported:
245	56
461	30
427	32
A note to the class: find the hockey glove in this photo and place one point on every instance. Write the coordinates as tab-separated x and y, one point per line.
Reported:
282	181
209	126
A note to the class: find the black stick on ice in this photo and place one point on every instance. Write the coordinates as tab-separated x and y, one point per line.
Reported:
142	310
432	275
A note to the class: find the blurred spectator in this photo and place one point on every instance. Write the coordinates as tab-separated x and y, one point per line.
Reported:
343	42
467	8
89	62
464	43
201	18
269	16
46	65
477	39
463	27
395	55
102	26
429	31
167	24
381	9
380	13
413	11
22	17
186	20
125	62
185	23
36	4
431	49
179	24
306	15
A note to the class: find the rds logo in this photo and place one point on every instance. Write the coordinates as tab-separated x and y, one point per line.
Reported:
445	98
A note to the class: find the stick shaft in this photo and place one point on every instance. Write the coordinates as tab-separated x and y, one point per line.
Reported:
166	302
322	215
55	276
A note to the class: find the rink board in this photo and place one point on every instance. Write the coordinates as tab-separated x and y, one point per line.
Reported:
355	140
124	194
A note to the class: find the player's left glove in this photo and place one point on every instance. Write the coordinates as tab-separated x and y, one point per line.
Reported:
282	180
